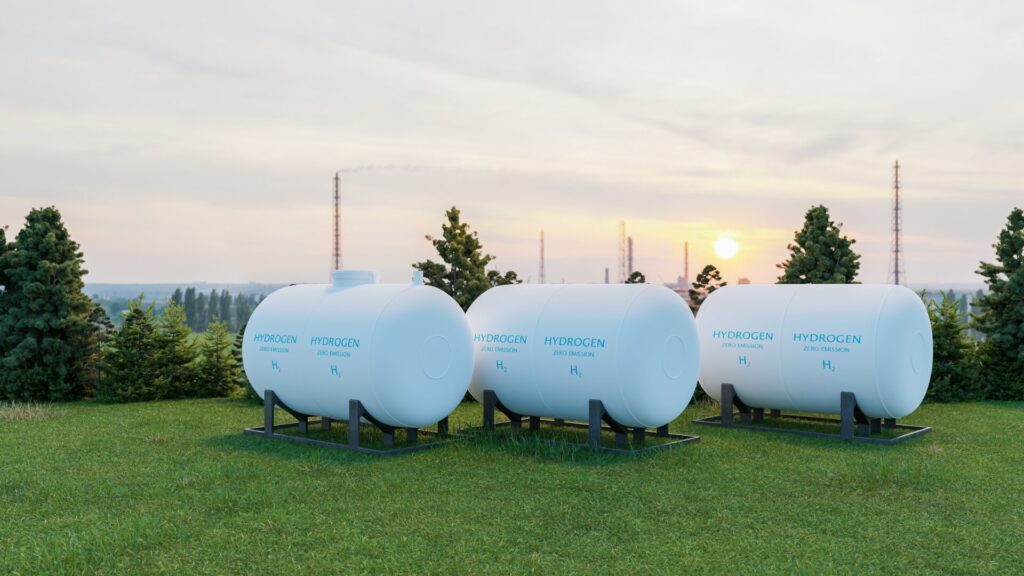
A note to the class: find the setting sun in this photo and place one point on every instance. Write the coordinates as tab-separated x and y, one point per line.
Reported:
726	247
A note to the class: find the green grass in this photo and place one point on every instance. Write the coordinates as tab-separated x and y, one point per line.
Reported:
174	487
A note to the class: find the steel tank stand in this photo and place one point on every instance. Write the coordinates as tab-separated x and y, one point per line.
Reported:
854	425
599	421
356	413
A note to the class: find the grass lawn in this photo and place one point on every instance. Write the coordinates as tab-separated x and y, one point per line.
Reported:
174	487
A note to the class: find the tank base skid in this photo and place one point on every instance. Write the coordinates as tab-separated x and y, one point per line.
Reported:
853	424
624	436
356	413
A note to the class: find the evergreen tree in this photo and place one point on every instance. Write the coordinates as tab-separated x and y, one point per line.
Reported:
175	355
708	280
1000	314
131	374
953	375
224	309
178	297
201	321
462	274
219	372
243	382
94	361
190	308
820	254
44	328
4	247
636	277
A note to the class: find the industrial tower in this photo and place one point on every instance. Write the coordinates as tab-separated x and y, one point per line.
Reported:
337	221
542	276
897	267
686	265
622	251
629	256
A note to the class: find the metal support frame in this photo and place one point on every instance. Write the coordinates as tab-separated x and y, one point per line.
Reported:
356	414
599	421
853	423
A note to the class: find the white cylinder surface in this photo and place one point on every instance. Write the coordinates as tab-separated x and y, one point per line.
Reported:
547	350
799	346
403	350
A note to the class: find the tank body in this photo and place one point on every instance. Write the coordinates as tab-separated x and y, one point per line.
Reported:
798	347
547	350
404	350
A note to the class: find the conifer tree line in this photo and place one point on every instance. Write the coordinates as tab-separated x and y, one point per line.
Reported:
56	344
203	309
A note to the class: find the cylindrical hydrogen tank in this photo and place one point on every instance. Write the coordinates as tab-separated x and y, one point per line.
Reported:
403	350
547	350
799	346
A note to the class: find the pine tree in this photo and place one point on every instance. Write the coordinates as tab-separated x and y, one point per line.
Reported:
175	355
178	297
44	329
953	376
94	351
636	277
463	275
224	310
243	382
820	254
219	372
1001	314
190	308
131	374
242	310
708	280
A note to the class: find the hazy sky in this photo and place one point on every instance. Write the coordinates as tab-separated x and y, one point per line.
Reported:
191	141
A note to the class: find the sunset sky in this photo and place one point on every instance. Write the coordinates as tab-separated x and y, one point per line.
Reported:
188	141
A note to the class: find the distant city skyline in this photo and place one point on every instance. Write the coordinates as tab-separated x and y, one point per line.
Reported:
192	142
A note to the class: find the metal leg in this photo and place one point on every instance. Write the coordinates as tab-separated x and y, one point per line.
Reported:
663	431
728	395
389	438
775	413
269	399
534	422
355	412
325	423
558	422
517	423
410	435
596	412
442	427
490	399
758	414
876	426
638	436
847	402
888	423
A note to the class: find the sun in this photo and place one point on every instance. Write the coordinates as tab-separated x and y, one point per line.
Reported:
726	248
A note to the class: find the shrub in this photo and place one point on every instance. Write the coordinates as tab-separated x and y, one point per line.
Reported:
218	371
131	374
954	374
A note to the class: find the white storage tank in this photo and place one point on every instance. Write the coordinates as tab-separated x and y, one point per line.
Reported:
799	346
547	350
404	350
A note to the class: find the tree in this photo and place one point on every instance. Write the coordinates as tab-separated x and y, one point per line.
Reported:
175	355
243	309
636	277
463	274
1000	314
820	254
102	330
953	375
201	308
243	381
224	310
190	307
178	297
708	280
131	374
213	308
44	328
218	372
